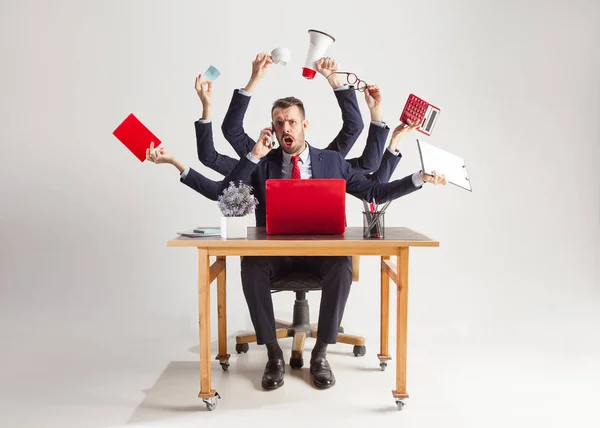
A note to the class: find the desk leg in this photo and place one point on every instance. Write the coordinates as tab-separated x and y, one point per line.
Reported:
223	356
401	327
206	393
384	355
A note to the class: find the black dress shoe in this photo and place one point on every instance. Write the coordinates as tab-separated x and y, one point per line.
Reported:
323	377
273	375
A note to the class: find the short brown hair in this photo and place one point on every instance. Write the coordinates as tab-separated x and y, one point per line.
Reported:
288	102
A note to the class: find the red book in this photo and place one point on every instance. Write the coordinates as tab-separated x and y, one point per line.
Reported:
135	136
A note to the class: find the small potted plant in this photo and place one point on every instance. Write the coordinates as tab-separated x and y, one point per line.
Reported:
235	203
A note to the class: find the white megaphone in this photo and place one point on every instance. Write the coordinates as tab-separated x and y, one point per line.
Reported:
319	42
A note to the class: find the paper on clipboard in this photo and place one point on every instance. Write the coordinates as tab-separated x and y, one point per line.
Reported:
452	166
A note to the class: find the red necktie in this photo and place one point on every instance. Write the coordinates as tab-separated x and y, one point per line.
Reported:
295	168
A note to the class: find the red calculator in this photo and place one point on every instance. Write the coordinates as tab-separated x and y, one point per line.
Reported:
416	110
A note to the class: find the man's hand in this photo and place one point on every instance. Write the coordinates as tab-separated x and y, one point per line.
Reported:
326	66
400	131
263	144
204	91
158	154
373	96
435	178
373	99
259	68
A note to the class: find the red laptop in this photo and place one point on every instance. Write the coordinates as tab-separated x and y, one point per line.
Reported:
306	207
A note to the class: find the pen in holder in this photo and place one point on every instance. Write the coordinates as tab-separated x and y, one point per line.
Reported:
374	224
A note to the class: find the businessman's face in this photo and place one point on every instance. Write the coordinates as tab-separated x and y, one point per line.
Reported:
289	126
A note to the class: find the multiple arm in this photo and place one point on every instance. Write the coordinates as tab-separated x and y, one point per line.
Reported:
352	124
204	137
367	176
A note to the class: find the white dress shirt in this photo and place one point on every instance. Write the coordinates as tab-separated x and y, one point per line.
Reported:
304	164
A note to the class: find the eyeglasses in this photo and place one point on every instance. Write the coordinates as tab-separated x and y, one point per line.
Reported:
352	79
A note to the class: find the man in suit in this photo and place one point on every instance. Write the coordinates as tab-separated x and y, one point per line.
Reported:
371	159
296	159
210	188
352	123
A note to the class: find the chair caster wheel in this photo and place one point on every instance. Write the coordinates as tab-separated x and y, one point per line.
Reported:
400	404
296	363
225	365
383	365
211	403
241	348
359	351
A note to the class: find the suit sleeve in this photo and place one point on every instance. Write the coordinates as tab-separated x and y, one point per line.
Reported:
352	123
242	172
372	155
201	184
389	163
369	190
233	125
207	154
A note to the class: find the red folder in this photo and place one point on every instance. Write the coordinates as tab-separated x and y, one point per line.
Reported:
135	136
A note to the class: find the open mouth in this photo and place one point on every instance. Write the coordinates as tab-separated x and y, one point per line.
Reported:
288	141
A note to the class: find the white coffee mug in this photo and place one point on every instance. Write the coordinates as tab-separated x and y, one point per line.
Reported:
281	56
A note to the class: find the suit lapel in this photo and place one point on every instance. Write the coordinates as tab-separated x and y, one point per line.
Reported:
316	163
275	165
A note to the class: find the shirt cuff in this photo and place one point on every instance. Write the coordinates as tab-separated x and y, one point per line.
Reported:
252	158
204	120
380	124
342	88
241	91
185	173
395	153
417	180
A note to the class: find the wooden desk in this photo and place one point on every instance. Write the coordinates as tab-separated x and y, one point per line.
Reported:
396	244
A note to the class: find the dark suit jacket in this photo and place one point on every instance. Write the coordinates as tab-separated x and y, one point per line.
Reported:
207	154
324	164
387	161
201	184
352	127
210	188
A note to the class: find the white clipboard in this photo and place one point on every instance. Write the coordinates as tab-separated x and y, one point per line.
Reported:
443	162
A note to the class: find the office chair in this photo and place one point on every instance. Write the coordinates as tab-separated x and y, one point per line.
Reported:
301	328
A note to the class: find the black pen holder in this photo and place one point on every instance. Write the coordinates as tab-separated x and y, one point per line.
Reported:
374	225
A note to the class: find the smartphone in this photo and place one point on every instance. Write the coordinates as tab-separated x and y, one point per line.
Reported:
273	137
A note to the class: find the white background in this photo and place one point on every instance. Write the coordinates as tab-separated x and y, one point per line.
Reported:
85	272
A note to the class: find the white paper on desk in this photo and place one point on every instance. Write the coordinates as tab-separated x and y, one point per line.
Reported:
443	162
192	234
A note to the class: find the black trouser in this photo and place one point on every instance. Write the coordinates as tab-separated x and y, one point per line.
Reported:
336	276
